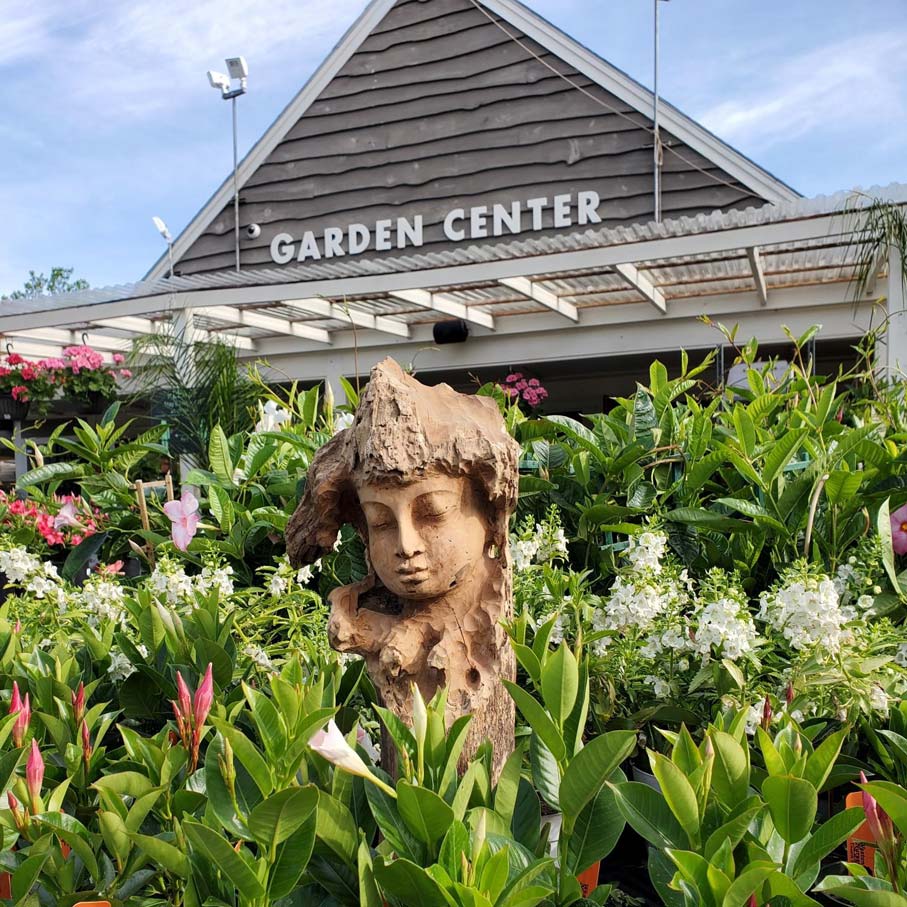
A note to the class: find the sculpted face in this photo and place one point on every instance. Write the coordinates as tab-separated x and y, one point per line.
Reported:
423	537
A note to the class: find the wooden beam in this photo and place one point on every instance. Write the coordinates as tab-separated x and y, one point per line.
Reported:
539	294
755	259
440	302
128	323
251	318
65	337
638	281
340	312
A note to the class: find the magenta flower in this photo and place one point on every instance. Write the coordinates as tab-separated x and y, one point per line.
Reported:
21	708
184	519
899	530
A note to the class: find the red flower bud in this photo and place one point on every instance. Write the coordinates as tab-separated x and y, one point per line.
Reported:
34	776
204	698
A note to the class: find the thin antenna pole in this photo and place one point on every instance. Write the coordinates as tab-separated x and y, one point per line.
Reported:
236	188
656	136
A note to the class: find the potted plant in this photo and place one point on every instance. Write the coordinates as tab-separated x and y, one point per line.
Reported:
88	380
25	384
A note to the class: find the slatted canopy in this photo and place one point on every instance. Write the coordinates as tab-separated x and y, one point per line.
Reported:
639	289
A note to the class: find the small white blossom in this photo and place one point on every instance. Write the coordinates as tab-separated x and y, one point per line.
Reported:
272	417
258	655
343	421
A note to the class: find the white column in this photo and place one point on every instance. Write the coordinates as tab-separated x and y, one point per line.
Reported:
184	336
895	356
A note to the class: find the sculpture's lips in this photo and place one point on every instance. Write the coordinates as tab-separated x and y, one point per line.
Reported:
412	576
411	571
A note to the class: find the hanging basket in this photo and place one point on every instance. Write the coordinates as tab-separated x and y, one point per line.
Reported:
12	410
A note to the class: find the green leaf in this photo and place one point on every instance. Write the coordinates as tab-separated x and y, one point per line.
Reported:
408	884
646	812
792	803
731	771
560	683
780	453
79	557
538	719
336	827
247	753
678	793
590	768
27	874
883	525
747	882
291	860
826	838
219	455
596	830
821	762
165	855
427	815
273	820
212	846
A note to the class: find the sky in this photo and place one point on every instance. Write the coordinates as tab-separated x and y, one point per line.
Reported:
107	118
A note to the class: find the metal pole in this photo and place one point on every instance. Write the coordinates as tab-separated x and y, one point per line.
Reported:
235	189
656	137
170	254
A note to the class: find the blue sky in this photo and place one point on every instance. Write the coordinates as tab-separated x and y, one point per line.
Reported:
106	117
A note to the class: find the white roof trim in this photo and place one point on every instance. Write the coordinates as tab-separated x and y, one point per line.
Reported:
584	60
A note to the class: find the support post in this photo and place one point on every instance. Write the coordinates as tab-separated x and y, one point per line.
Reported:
895	356
20	457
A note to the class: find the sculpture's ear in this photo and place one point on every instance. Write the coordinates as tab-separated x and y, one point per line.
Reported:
312	530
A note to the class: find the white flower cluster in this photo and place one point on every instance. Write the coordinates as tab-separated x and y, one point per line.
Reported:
18	565
540	543
175	586
104	598
271	417
805	608
284	576
725	627
646	551
120	666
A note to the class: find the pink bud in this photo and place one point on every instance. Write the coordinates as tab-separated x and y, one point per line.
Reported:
766	714
15	702
204	698
20	725
789	693
876	818
86	743
183	697
34	776
18	626
78	703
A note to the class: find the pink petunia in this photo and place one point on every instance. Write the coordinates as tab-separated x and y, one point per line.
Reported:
899	530
66	516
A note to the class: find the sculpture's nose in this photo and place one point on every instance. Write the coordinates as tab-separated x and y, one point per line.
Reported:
409	542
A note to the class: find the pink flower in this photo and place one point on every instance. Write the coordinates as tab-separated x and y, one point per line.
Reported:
118	358
184	519
114	569
78	703
34	776
876	817
899	530
184	698
125	373
513	378
204	697
66	516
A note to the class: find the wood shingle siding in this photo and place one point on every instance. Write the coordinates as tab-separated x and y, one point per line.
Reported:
440	109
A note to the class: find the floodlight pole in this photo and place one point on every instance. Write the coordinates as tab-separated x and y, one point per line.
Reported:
235	186
656	135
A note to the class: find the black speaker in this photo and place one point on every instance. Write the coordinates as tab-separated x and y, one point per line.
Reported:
455	331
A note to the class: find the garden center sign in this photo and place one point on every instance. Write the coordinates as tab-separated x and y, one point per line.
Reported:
478	222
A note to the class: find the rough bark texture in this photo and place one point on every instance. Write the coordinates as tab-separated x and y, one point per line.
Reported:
429	478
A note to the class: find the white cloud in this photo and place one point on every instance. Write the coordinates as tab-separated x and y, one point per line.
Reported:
844	87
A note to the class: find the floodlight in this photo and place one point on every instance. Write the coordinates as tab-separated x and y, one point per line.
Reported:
219	80
237	67
162	228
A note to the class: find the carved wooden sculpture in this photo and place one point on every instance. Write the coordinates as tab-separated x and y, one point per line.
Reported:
429	478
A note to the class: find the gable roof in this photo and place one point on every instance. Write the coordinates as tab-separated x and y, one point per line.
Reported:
514	14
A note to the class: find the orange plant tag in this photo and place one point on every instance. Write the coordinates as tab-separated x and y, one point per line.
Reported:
588	879
859	844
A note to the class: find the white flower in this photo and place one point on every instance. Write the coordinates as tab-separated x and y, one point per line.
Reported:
725	629
272	417
342	421
330	744
278	585
557	631
258	655
18	564
661	687
219	578
120	666
637	602
363	739
878	699
753	719
901	656
304	575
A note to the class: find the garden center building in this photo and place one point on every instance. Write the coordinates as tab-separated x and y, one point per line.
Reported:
464	161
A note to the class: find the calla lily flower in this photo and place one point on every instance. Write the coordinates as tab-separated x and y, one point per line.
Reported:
34	776
899	530
331	745
184	519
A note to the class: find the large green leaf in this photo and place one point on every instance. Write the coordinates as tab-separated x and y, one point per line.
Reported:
779	454
645	810
291	859
275	819
219	455
589	770
678	793
408	885
560	683
336	827
825	839
731	771
597	828
538	719
163	854
212	846
792	803
426	814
